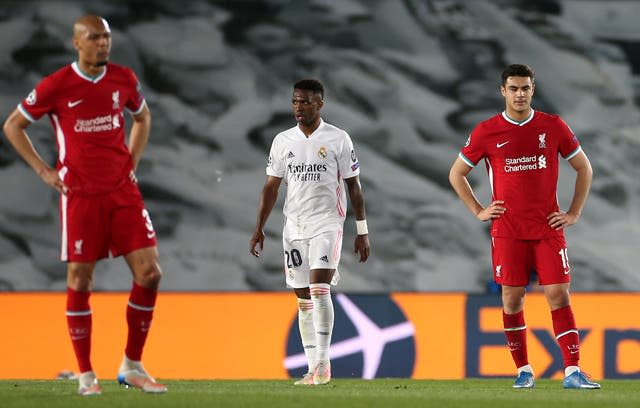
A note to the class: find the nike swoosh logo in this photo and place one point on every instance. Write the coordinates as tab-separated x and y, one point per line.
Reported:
567	272
499	145
74	103
574	352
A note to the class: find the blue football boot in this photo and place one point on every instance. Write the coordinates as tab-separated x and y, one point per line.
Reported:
579	380
524	380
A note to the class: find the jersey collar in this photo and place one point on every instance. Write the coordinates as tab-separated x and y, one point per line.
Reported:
515	122
314	132
82	75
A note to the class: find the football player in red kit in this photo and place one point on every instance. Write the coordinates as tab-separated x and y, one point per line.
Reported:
520	148
101	208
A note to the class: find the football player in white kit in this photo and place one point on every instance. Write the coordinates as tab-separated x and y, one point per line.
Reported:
313	158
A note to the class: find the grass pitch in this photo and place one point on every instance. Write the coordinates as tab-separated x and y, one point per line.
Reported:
387	393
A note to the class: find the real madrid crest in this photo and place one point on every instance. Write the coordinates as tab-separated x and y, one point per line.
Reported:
322	152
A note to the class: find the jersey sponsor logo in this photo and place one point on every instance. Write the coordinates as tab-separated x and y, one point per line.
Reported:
98	124
525	163
322	152
306	172
116	99
372	338
541	139
499	145
32	98
72	104
542	162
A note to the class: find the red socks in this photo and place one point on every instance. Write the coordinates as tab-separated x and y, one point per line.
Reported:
79	323
564	327
139	316
515	330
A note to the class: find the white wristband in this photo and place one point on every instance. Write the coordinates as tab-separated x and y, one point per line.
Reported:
361	227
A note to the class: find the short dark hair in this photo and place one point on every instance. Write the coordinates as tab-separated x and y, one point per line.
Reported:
518	70
310	85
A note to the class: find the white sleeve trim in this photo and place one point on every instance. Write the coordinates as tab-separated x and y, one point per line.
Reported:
25	113
467	161
573	153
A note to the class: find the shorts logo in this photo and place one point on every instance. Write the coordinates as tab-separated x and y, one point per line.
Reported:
147	223
498	271
542	143
322	152
77	247
31	98
116	99
324	258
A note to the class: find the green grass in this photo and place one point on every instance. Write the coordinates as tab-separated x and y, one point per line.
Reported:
388	393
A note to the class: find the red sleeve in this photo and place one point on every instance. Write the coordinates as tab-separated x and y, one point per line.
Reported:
474	150
40	101
136	99
568	144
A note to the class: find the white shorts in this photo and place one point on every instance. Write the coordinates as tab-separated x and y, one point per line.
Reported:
303	255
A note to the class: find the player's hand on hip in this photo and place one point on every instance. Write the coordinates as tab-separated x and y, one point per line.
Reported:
361	247
492	211
559	220
52	178
256	239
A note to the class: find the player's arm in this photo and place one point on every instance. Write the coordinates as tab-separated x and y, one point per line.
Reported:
460	184
267	201
584	174
361	244
15	130
139	135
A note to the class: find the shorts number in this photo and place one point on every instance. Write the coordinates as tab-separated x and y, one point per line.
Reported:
565	258
294	258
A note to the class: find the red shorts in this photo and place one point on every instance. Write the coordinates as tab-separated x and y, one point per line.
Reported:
514	260
96	226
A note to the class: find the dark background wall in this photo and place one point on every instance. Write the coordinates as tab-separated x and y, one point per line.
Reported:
407	79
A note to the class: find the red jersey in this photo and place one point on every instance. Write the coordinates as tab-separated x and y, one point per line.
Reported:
522	162
87	115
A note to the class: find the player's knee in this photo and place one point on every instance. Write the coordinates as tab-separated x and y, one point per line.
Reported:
148	274
79	277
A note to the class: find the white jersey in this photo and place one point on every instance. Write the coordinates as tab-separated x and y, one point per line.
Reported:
313	169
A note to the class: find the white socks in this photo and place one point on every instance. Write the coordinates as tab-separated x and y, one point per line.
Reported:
570	370
322	318
307	331
526	368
